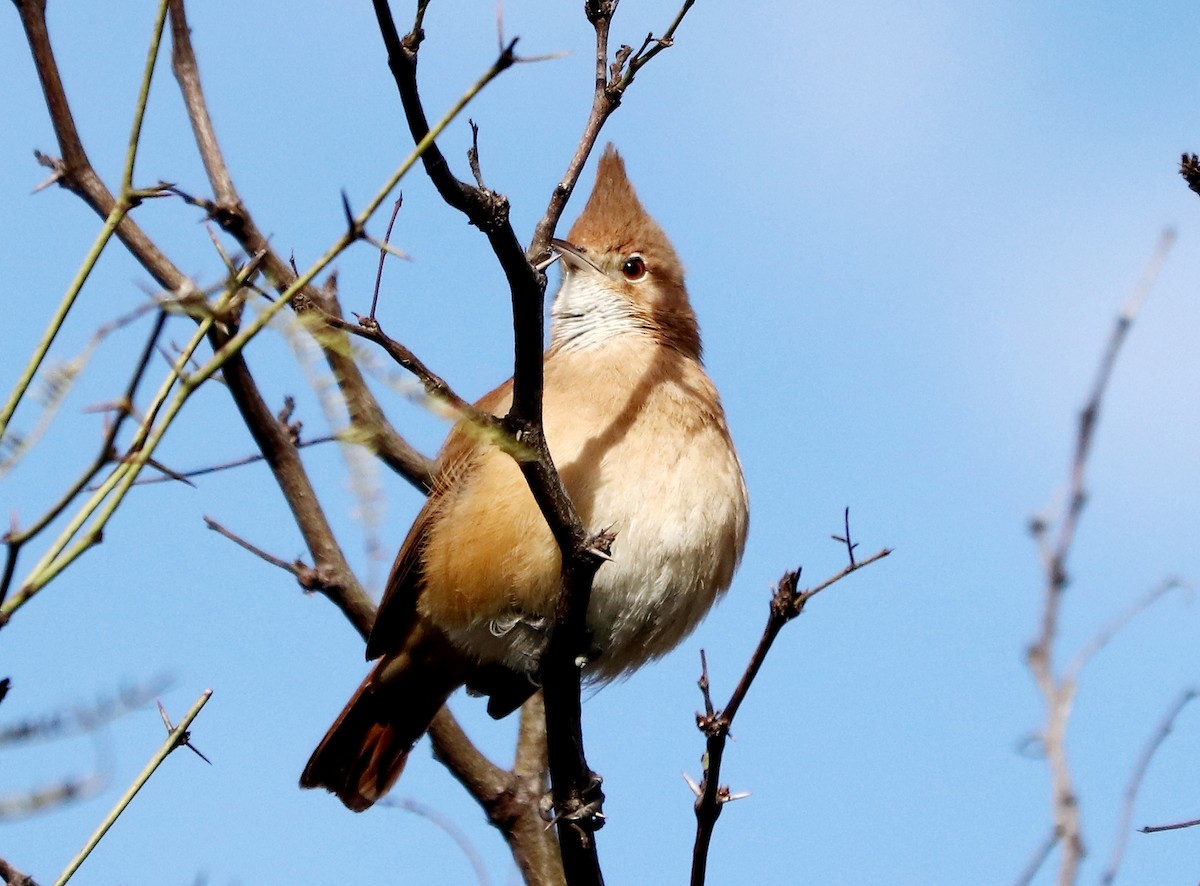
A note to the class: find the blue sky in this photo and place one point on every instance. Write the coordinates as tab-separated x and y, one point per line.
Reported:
908	229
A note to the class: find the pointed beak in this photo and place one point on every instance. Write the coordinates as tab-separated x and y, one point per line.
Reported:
574	256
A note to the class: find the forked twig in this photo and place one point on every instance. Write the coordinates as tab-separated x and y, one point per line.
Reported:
786	603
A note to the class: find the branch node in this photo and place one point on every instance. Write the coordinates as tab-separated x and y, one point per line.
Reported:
1189	168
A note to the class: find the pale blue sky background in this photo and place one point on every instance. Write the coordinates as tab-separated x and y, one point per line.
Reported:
908	228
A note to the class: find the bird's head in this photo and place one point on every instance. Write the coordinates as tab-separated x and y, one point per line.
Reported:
621	275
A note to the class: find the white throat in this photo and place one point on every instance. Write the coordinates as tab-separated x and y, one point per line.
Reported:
588	311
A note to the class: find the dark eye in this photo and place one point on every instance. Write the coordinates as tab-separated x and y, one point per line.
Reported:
634	268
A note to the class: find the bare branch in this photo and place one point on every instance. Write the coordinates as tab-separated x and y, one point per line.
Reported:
435	386
606	98
1058	694
1105	635
15	539
52	797
307	577
575	788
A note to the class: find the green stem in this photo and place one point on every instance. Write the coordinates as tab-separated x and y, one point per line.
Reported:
115	217
177	738
139	113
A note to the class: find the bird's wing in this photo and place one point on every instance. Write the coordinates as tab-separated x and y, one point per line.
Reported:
398	609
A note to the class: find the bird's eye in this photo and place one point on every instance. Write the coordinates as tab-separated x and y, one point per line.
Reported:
634	268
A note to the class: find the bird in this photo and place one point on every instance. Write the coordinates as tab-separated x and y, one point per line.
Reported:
636	429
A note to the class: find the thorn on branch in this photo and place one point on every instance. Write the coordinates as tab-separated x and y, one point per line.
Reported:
473	155
293	428
581	811
185	738
704	685
354	230
600	544
58	170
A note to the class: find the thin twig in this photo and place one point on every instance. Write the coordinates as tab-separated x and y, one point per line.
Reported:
606	98
128	199
434	385
383	254
1138	776
845	539
306	576
15	539
1105	635
230	465
1179	825
450	828
53	797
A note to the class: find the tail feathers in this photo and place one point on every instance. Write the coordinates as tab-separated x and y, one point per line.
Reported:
365	750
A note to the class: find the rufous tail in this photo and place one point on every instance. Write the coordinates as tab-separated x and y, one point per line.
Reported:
365	749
